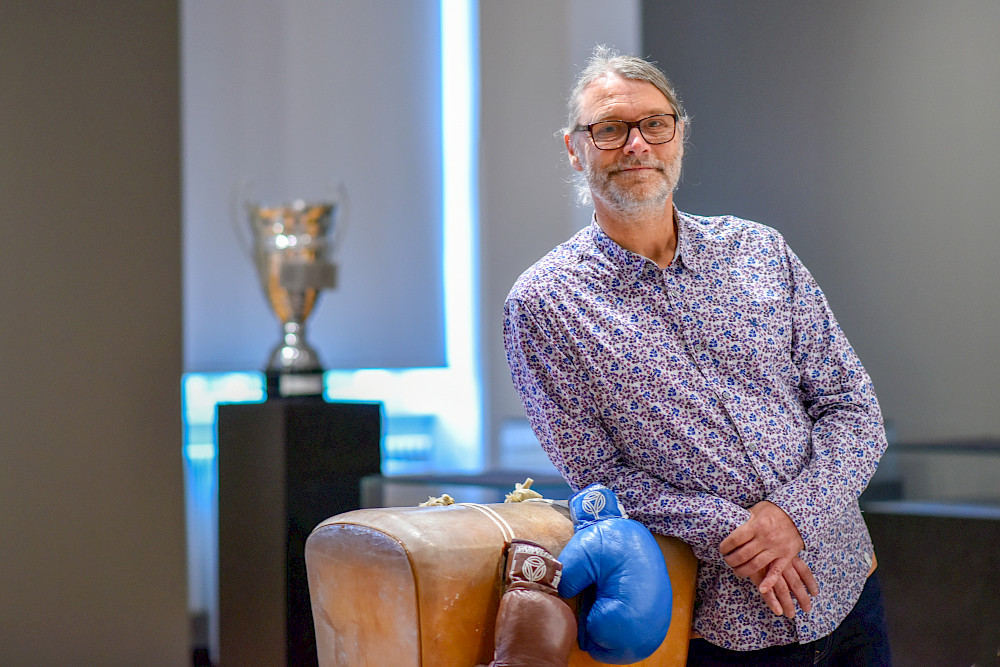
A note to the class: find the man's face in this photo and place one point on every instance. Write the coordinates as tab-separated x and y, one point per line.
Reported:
638	177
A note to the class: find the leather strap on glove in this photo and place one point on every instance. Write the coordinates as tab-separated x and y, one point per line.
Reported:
535	627
616	566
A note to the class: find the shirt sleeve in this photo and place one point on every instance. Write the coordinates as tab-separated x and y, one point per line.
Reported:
558	403
848	434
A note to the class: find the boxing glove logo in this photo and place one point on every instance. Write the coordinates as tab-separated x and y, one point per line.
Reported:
593	502
533	568
531	563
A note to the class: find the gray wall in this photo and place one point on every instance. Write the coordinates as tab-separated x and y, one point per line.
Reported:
867	133
91	494
530	53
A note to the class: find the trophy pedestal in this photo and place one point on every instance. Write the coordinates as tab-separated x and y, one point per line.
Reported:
284	384
284	466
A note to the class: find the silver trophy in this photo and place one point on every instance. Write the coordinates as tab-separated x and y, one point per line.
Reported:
291	248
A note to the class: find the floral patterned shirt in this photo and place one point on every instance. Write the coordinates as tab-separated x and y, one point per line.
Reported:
695	392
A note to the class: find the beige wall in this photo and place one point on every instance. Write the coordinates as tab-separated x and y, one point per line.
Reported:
91	493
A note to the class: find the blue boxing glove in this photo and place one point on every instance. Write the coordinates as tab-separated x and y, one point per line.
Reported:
616	566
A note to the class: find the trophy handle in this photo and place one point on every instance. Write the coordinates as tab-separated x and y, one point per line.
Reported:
342	217
243	194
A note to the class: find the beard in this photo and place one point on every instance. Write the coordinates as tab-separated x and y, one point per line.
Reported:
648	196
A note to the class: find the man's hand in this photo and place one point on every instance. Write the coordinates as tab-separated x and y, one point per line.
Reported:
767	535
777	586
765	549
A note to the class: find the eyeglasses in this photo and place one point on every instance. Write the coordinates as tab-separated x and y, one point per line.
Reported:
609	135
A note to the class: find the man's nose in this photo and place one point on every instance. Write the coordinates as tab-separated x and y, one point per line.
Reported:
635	142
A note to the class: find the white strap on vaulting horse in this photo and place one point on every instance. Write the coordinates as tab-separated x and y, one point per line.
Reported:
492	515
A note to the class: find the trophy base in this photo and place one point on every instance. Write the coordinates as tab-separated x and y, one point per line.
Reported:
301	384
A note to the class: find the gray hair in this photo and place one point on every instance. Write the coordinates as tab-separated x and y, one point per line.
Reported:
606	62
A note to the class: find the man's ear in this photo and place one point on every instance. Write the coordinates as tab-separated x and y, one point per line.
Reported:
574	158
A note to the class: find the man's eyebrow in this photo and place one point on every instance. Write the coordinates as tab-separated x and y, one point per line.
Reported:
600	118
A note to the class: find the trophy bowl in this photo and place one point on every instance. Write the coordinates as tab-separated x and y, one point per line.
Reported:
291	249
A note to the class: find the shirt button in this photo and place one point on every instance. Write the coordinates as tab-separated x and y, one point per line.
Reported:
726	395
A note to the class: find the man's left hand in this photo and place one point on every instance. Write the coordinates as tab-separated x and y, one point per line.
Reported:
765	548
768	534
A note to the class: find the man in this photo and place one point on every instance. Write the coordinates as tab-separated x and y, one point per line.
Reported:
692	365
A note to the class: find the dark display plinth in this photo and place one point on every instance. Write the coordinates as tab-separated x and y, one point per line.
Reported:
939	566
285	465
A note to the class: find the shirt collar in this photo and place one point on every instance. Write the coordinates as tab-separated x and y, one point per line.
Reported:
633	264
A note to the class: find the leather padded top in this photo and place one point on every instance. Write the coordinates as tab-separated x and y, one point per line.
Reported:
421	585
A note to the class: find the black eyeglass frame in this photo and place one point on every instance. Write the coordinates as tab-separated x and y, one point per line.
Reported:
589	129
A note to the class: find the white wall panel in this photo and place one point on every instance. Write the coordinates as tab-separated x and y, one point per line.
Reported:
293	97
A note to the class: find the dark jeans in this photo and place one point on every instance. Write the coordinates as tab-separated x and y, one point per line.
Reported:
860	641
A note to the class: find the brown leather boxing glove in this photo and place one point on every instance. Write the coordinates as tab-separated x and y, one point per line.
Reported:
535	627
